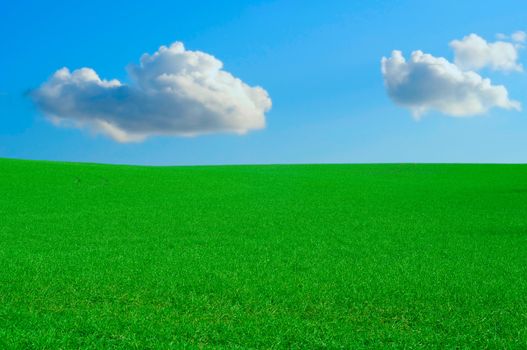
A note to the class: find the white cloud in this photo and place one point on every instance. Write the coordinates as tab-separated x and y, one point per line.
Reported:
428	83
519	36
474	52
173	92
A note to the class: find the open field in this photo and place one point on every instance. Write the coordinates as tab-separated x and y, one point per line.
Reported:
299	256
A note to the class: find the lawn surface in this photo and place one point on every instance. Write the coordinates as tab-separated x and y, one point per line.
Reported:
289	256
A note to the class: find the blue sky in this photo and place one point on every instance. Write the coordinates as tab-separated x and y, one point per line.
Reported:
319	62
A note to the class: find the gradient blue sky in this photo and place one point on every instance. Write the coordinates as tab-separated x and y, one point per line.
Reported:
319	61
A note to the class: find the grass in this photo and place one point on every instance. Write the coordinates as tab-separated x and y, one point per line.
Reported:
289	256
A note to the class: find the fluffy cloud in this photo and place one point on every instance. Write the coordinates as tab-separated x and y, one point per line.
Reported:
519	36
426	82
172	92
473	53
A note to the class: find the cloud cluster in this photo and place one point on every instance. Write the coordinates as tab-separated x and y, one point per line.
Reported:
172	92
474	53
425	82
519	36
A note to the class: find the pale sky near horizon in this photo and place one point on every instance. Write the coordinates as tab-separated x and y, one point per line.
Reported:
249	82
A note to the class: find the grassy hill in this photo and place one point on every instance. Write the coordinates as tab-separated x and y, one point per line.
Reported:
299	256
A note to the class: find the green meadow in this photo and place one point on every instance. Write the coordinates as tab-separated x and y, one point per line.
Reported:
273	256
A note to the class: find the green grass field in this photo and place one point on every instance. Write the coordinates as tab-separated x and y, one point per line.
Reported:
290	256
